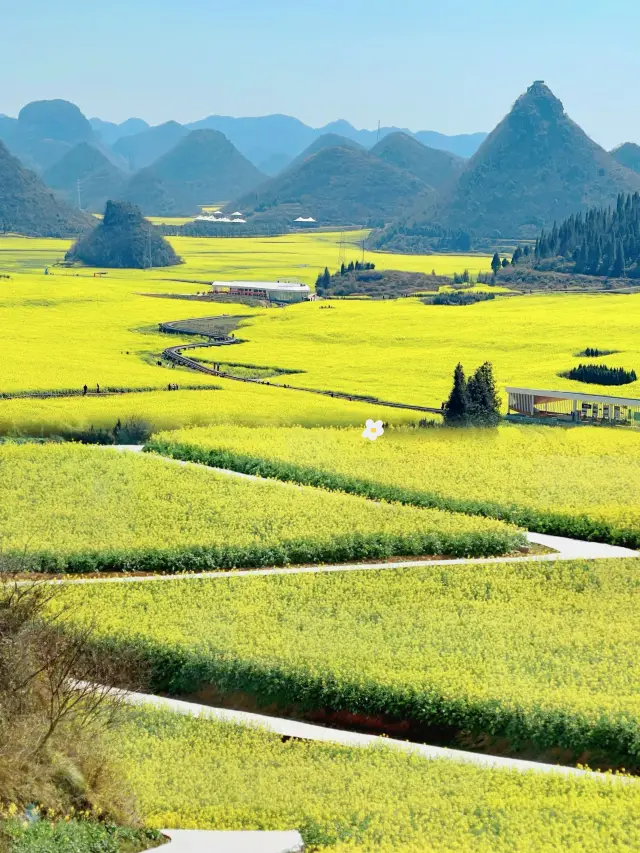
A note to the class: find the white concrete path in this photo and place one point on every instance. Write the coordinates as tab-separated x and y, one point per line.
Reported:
565	549
212	841
308	731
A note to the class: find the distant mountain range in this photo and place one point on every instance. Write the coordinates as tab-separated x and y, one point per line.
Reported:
628	155
535	167
85	175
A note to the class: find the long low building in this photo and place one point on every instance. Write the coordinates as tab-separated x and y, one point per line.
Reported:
274	291
573	406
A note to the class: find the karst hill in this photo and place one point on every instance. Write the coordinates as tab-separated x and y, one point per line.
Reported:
124	239
536	167
202	168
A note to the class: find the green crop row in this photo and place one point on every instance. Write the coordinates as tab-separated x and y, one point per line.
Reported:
542	653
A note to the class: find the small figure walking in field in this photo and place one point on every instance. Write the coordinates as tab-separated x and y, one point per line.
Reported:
84	390
97	388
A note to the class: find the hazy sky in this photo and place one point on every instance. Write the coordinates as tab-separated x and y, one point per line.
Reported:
453	65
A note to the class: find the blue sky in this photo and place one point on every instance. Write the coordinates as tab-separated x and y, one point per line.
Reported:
454	66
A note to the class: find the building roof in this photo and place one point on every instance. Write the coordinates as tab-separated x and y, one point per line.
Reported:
576	395
304	219
282	286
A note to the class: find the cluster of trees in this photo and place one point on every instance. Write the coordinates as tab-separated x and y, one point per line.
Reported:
473	401
419	238
604	241
460	297
600	374
592	352
323	282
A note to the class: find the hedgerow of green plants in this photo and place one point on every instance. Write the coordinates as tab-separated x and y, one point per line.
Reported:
581	482
73	836
80	509
364	799
540	652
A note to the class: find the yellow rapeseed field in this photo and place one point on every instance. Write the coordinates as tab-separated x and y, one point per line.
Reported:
69	328
405	351
531	651
239	403
582	481
82	508
201	774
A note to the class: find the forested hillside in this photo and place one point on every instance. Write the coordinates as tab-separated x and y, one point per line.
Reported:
604	241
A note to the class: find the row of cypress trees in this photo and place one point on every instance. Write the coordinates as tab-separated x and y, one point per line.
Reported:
473	401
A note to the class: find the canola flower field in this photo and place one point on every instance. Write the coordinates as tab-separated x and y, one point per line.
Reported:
70	328
77	508
541	653
582	482
348	800
239	403
405	351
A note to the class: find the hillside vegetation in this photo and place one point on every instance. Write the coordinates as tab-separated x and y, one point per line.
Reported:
28	207
628	155
604	241
337	185
435	168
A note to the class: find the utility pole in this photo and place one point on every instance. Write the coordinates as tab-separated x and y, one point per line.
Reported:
79	194
341	258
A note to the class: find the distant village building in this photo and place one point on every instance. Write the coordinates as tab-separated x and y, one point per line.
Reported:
274	291
304	221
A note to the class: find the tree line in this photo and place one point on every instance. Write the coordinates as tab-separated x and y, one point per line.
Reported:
604	241
324	278
600	374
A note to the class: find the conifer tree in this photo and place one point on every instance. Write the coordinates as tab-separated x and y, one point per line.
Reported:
456	411
617	268
496	263
483	399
